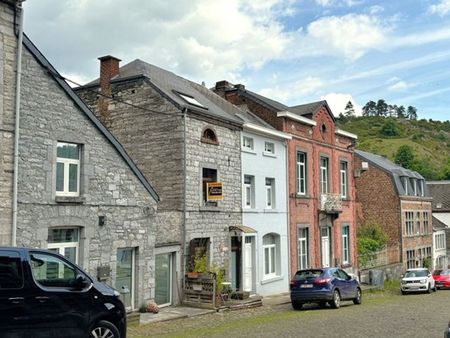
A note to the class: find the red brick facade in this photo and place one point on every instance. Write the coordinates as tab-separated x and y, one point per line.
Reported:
316	141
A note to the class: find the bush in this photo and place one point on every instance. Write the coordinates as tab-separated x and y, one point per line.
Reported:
370	239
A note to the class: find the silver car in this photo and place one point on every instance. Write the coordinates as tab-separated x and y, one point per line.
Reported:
417	280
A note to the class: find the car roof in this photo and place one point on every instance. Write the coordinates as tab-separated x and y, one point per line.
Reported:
417	269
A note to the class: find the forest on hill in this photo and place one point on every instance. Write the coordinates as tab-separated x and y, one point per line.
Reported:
417	144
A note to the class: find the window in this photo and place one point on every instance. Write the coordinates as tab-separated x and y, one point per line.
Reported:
425	222
11	276
439	241
323	175
418	223
405	184
51	271
345	244
209	136
421	188
303	245
414	186
270	193
249	191
191	100
270	258
409	223
247	143
343	176
269	148
208	175
67	169
410	259
301	173
64	242
198	248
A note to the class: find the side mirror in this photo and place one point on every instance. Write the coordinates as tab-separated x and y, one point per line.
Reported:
81	282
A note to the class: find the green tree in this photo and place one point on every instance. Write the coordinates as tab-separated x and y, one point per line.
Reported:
401	112
381	107
389	128
369	109
446	171
411	113
404	156
349	109
370	239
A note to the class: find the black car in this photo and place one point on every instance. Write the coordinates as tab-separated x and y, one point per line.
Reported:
324	285
42	294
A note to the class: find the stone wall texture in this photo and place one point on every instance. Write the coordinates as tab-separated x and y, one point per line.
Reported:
108	187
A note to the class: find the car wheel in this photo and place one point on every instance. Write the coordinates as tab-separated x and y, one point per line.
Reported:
429	288
435	288
297	305
403	292
336	302
104	329
357	299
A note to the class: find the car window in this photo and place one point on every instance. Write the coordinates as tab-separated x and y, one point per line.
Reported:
11	276
52	271
416	273
343	274
305	274
445	272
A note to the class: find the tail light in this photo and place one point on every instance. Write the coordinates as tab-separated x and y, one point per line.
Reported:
322	281
292	284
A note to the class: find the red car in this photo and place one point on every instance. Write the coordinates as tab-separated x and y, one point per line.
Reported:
442	278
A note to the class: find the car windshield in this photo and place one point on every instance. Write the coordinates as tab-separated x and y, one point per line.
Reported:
445	272
306	274
416	273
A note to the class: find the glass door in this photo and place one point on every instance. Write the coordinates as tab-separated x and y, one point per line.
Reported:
325	236
125	276
163	279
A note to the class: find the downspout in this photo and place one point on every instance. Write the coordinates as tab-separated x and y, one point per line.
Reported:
288	201
183	247
18	9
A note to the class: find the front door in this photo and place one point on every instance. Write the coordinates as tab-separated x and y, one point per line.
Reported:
325	246
163	279
125	276
248	264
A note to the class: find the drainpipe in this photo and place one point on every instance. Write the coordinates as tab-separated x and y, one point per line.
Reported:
288	201
18	10
183	247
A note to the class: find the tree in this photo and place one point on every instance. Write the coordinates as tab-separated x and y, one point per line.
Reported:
389	128
369	109
404	156
411	113
401	112
370	239
446	171
349	110
381	108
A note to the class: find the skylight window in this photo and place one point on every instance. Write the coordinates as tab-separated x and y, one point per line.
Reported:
191	100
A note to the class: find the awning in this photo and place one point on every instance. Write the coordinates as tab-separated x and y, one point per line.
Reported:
242	229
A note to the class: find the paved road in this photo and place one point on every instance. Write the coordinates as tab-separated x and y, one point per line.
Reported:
380	315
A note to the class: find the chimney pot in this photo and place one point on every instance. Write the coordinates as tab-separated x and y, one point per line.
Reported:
109	68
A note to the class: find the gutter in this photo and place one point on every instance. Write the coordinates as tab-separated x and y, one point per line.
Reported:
183	230
17	11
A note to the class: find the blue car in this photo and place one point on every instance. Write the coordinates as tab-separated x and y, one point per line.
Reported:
325	285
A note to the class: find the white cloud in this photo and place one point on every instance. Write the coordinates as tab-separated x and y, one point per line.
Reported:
441	8
421	38
376	9
350	36
294	92
338	101
199	39
398	85
329	3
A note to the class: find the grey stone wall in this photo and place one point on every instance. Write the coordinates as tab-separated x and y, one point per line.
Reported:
108	186
8	52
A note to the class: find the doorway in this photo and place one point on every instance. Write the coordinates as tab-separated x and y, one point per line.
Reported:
325	246
163	279
125	272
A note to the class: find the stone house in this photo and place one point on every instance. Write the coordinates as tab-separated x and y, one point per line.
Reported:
186	141
398	201
78	192
264	255
321	190
440	192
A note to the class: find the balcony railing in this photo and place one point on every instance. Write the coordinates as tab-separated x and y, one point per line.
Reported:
331	203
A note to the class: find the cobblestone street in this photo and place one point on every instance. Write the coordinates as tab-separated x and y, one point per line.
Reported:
380	315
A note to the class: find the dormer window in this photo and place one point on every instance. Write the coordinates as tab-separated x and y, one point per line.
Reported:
191	100
209	136
405	184
414	186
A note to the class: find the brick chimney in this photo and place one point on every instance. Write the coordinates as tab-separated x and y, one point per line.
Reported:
109	68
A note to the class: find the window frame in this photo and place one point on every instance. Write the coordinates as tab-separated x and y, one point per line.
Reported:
67	162
303	257
270	257
345	244
269	150
248	146
343	178
302	173
270	191
248	192
61	246
324	175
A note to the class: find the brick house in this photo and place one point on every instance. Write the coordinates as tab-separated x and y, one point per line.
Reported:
440	192
78	192
396	199
185	139
320	181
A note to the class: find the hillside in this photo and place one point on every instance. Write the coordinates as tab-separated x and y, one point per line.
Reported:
429	141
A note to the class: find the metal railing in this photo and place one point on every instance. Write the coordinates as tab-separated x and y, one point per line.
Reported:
331	203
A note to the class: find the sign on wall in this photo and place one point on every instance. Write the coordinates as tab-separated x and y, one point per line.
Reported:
214	191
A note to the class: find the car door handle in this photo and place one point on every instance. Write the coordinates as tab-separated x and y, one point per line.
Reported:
16	300
42	299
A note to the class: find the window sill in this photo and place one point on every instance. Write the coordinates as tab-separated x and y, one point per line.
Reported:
271	279
249	151
70	199
302	196
248	210
211	208
269	154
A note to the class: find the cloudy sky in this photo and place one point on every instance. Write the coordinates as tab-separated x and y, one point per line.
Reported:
291	51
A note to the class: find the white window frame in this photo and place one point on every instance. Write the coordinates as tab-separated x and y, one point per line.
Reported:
324	164
410	259
409	223
248	192
303	245
405	184
61	246
270	193
269	148
270	257
343	176
346	244
301	173
247	143
66	163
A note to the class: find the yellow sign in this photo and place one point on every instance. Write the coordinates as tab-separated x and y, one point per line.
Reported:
214	190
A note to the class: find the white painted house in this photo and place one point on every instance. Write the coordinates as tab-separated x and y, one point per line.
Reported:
264	234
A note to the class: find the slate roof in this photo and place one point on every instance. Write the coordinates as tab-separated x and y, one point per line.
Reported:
68	90
308	109
395	171
437	224
440	191
169	84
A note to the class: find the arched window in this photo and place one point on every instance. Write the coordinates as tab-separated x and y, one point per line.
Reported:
271	247
209	136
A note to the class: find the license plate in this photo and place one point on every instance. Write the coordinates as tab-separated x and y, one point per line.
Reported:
306	286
